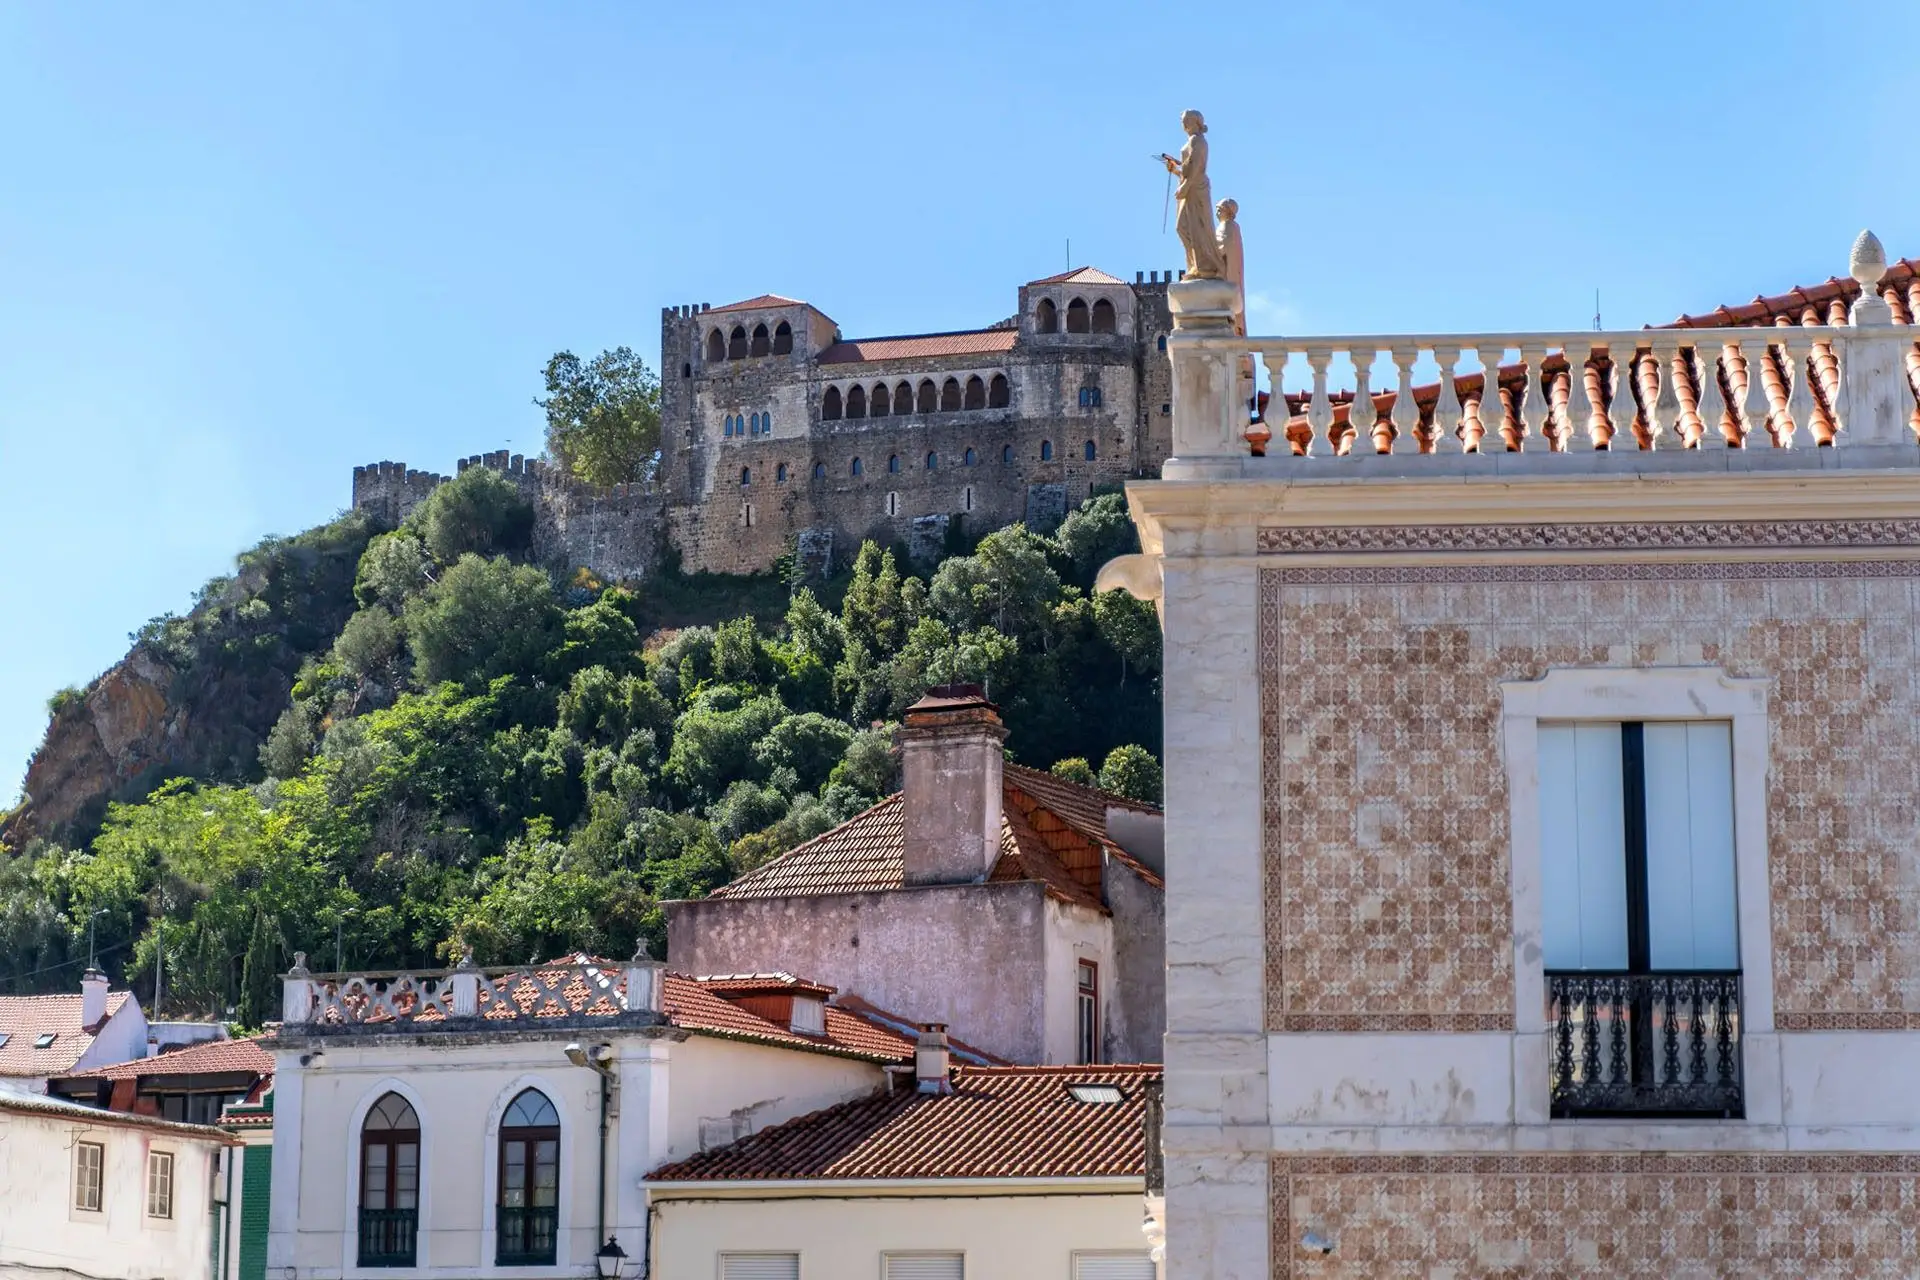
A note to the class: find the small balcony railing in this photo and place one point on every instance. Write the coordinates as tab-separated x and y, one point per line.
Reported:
387	1237
1645	1044
524	1235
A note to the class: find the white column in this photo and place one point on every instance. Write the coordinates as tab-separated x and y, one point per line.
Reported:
283	1211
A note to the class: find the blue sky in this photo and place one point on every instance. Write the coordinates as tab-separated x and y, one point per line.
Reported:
243	249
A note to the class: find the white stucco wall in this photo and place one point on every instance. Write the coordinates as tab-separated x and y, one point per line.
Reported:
122	1039
746	1087
1074	934
39	1227
1015	1233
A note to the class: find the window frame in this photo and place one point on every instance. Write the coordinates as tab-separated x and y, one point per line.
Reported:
720	1259
1086	1011
527	1137
98	1183
887	1257
160	1158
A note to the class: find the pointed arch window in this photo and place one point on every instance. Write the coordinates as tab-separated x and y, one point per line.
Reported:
998	392
1046	317
760	345
716	347
830	404
783	339
529	1210
893	464
976	393
737	343
857	468
389	1183
880	402
970	458
903	398
1077	316
1046	451
950	396
928	397
1103	316
856	402
819	471
1090	451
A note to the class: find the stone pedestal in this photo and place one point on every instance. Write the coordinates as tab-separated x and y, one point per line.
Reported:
1207	421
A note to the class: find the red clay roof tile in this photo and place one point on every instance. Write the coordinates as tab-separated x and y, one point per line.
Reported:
24	1019
1079	275
211	1057
755	304
921	346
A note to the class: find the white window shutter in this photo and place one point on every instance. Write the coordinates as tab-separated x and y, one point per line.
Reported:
1692	920
1113	1266
1583	847
759	1266
926	1266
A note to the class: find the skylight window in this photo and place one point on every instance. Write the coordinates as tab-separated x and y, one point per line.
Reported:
44	1040
1104	1095
4	1037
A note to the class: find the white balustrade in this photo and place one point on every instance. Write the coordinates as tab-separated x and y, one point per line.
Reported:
501	997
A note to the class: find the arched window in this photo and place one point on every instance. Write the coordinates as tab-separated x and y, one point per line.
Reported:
1103	316
760	345
830	404
997	392
1006	456
969	457
893	464
1077	316
819	471
929	398
903	398
856	402
1046	317
727	428
716	347
766	421
686	370
529	1218
1163	342
879	402
1046	451
737	344
780	473
746	476
389	1183
753	425
1090	451
856	466
933	462
950	395
976	393
783	339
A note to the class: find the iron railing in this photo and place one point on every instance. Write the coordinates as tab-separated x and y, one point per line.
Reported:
1645	1044
387	1237
524	1235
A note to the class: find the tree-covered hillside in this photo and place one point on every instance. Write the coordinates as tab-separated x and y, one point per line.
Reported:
473	750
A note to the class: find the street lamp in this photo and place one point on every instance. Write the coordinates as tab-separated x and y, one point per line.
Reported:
610	1259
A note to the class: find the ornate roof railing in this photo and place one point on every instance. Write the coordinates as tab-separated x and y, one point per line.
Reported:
561	993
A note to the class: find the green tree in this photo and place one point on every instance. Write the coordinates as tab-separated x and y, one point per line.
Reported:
394	568
1095	532
809	745
1131	771
483	619
478	512
877	610
603	416
368	647
1005	584
1075	769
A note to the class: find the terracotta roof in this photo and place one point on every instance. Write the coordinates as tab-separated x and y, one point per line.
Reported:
1052	831
999	1122
1080	275
853	1028
1824	303
210	1057
24	1019
731	984
12	1099
921	346
754	304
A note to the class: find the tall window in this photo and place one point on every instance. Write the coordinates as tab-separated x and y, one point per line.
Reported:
1639	923
89	1163
389	1183
529	1182
159	1184
1089	397
1089	1010
1046	451
1089	451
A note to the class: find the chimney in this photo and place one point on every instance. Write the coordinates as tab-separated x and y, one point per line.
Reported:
93	998
930	1059
950	765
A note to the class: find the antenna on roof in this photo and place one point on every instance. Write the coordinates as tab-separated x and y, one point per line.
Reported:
1596	311
1069	253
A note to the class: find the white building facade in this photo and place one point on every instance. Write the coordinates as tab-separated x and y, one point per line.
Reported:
1542	887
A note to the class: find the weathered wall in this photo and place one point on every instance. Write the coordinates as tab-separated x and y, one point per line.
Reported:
723	1090
1137	1018
966	955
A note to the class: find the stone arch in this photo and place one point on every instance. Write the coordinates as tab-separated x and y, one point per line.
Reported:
1103	318
716	347
783	339
830	404
976	393
950	395
856	401
929	398
880	402
760	345
998	392
1077	316
1046	451
1046	317
737	343
903	398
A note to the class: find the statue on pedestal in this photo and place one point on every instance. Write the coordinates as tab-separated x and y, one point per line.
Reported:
1195	194
1233	261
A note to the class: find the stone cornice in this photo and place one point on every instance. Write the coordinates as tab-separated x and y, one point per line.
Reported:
1645	535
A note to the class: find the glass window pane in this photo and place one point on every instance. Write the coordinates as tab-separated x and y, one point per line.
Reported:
1692	918
1583	858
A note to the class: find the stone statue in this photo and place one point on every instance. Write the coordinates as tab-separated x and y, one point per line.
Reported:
1233	263
1195	194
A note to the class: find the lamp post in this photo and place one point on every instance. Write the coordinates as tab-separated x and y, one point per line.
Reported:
610	1259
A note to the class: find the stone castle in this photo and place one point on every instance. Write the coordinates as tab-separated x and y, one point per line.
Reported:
779	434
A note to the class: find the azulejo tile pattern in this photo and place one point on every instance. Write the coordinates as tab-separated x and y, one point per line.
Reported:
1385	799
1719	535
1529	1217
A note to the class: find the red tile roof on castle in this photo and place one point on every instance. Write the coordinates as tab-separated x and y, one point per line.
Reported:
999	1122
210	1057
756	304
921	346
1079	275
1052	831
25	1019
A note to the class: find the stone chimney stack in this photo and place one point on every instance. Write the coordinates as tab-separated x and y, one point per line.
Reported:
931	1058
950	765
93	998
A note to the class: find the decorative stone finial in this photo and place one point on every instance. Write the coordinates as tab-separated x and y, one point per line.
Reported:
641	954
466	959
299	969
1868	261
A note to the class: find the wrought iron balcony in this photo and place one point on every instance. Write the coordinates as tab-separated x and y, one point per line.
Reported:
1645	1044
524	1235
387	1237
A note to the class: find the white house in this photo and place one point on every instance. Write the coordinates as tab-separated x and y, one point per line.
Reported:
104	1194
56	1035
473	1123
